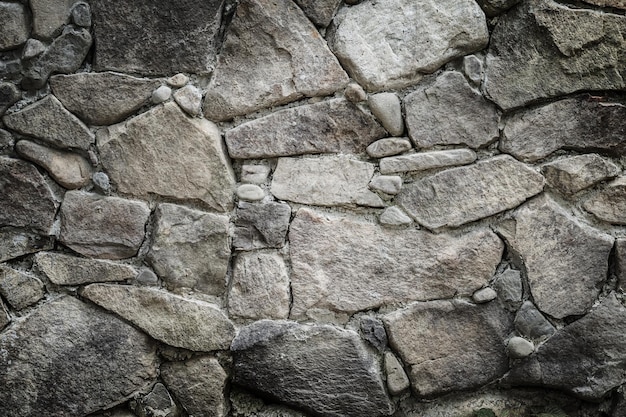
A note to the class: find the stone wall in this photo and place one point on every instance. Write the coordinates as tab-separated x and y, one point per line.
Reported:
312	208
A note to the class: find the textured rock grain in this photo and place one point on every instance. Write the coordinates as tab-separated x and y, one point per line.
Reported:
609	204
20	289
260	226
576	173
64	269
423	161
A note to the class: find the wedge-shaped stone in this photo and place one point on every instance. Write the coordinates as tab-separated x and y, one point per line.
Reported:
320	12
349	265
576	173
20	289
307	366
70	270
610	203
272	55
175	320
465	194
143	157
100	359
389	45
565	261
423	161
15	242
333	126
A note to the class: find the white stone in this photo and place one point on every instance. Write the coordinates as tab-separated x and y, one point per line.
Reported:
250	192
178	80
394	216
518	347
388	184
161	94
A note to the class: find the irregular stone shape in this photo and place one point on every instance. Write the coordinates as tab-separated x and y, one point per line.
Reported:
49	121
620	260
531	323
397	381
19	289
518	347
423	161
6	142
177	81
250	192
387	108
320	12
198	384
81	14
327	181
306	366
147	277
389	46
388	147
261	225
496	7
473	68
68	169
373	331
347	265
18	242
260	287
158	402
141	157
272	55
25	198
610	203
102	98
15	25
580	124
161	94
543	49
465	194
75	335
63	269
189	98
130	34
175	320
33	48
9	94
255	174
450	112
333	126
354	93
484	295
565	270
388	184
102	227
49	16
509	287
450	345
576	173
619	4
190	248
394	216
101	181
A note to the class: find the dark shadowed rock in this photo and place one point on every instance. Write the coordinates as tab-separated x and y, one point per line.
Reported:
320	12
158	402
261	225
15	242
610	203
373	330
576	173
64	269
530	323
496	7
9	94
19	288
4	316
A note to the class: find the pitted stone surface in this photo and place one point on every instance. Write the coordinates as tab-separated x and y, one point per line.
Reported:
15	25
19	288
320	12
15	242
260	226
576	173
64	269
49	16
609	204
423	161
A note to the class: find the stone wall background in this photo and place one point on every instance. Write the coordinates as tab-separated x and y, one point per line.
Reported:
279	208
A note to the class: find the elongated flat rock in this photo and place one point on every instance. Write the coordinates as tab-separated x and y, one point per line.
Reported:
423	161
610	203
15	28
64	269
16	242
576	173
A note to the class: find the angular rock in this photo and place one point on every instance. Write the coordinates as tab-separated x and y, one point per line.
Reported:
576	173
260	226
74	333
544	49
189	98
496	7
387	108
450	345
423	161
175	320
63	269
388	184
306	366
20	289
102	98
320	12
390	45
610	203
465	194
18	242
518	347
397	381
347	265
250	192
255	174
49	121
450	112
394	216
272	55
190	248
102	227
529	322
49	16
388	147
9	94
509	287
33	48
333	126
484	295
565	270
327	181
245	405
15	25
141	158
158	402
373	331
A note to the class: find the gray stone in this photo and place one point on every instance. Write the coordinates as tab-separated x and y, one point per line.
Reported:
386	107
473	68
181	322
529	322
102	227
518	347
450	112
255	174
573	123
15	25
5	319
618	4
388	147
423	161
260	287
250	192
320	12
6	142
484	295
245	405
450	345
64	269
20	289
620	260
388	184
68	169
266	61
102	98
49	16
9	94
333	126
373	331
198	384
141	158
610	203
147	277
565	260
354	93
306	366
397	381
133	37
177	81
158	402
573	174
81	14
15	243
496	7
189	98
326	181
394	216
190	248
25	198
544	49
261	225
33	48
348	265
390	45
101	181
161	94
75	333
509	287
465	194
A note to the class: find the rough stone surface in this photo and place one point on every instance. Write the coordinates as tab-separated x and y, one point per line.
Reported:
388	184
64	269
620	260
102	98
484	295
9	94
18	242
175	320
306	366
397	381
530	323
102	227
261	225
450	112
190	248
576	173
81	14
389	45
518	347
394	216
33	48
20	289
15	25
74	333
49	16
564	270
5	319
158	402
473	68
179	80
320	12
333	126
387	108
450	345
141	157
272	55
373	331
423	161
619	4
255	174
496	7
189	98
388	147
509	287
354	93
610	203
250	192
245	405
348	265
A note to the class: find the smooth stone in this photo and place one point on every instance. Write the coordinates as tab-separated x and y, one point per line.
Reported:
189	98
321	12
19	289
529	322
63	269
423	161
484	295
161	94
81	14
576	173
260	226
15	25
394	216
387	108
473	68
609	204
518	347
147	277
397	381
101	181
158	402
9	94
255	174
177	81
250	192
33	48
388	184
373	331
49	16
354	93
509	287
15	243
388	147
496	7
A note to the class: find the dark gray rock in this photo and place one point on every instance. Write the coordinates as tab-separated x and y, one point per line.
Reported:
6	142
49	16
9	94
320	12
243	404
20	289
261	225
620	261
4	316
64	269
576	173
81	14
158	402
16	242
373	330
530	323
496	7
15	25
509	287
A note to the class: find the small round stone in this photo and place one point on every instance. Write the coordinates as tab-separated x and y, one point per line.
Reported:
178	80
519	347
146	277
250	192
355	93
161	94
484	295
81	14
101	181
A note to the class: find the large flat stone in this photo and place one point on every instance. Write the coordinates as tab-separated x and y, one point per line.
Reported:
349	265
64	269
576	173
16	242
609	204
15	25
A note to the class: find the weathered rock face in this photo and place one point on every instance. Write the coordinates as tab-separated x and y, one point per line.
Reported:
9	94
576	173
619	4
307	366
530	323
74	334
610	203
20	289
320	12
388	147
16	242
50	15
260	226
70	270
496	7
15	28
423	161
388	109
